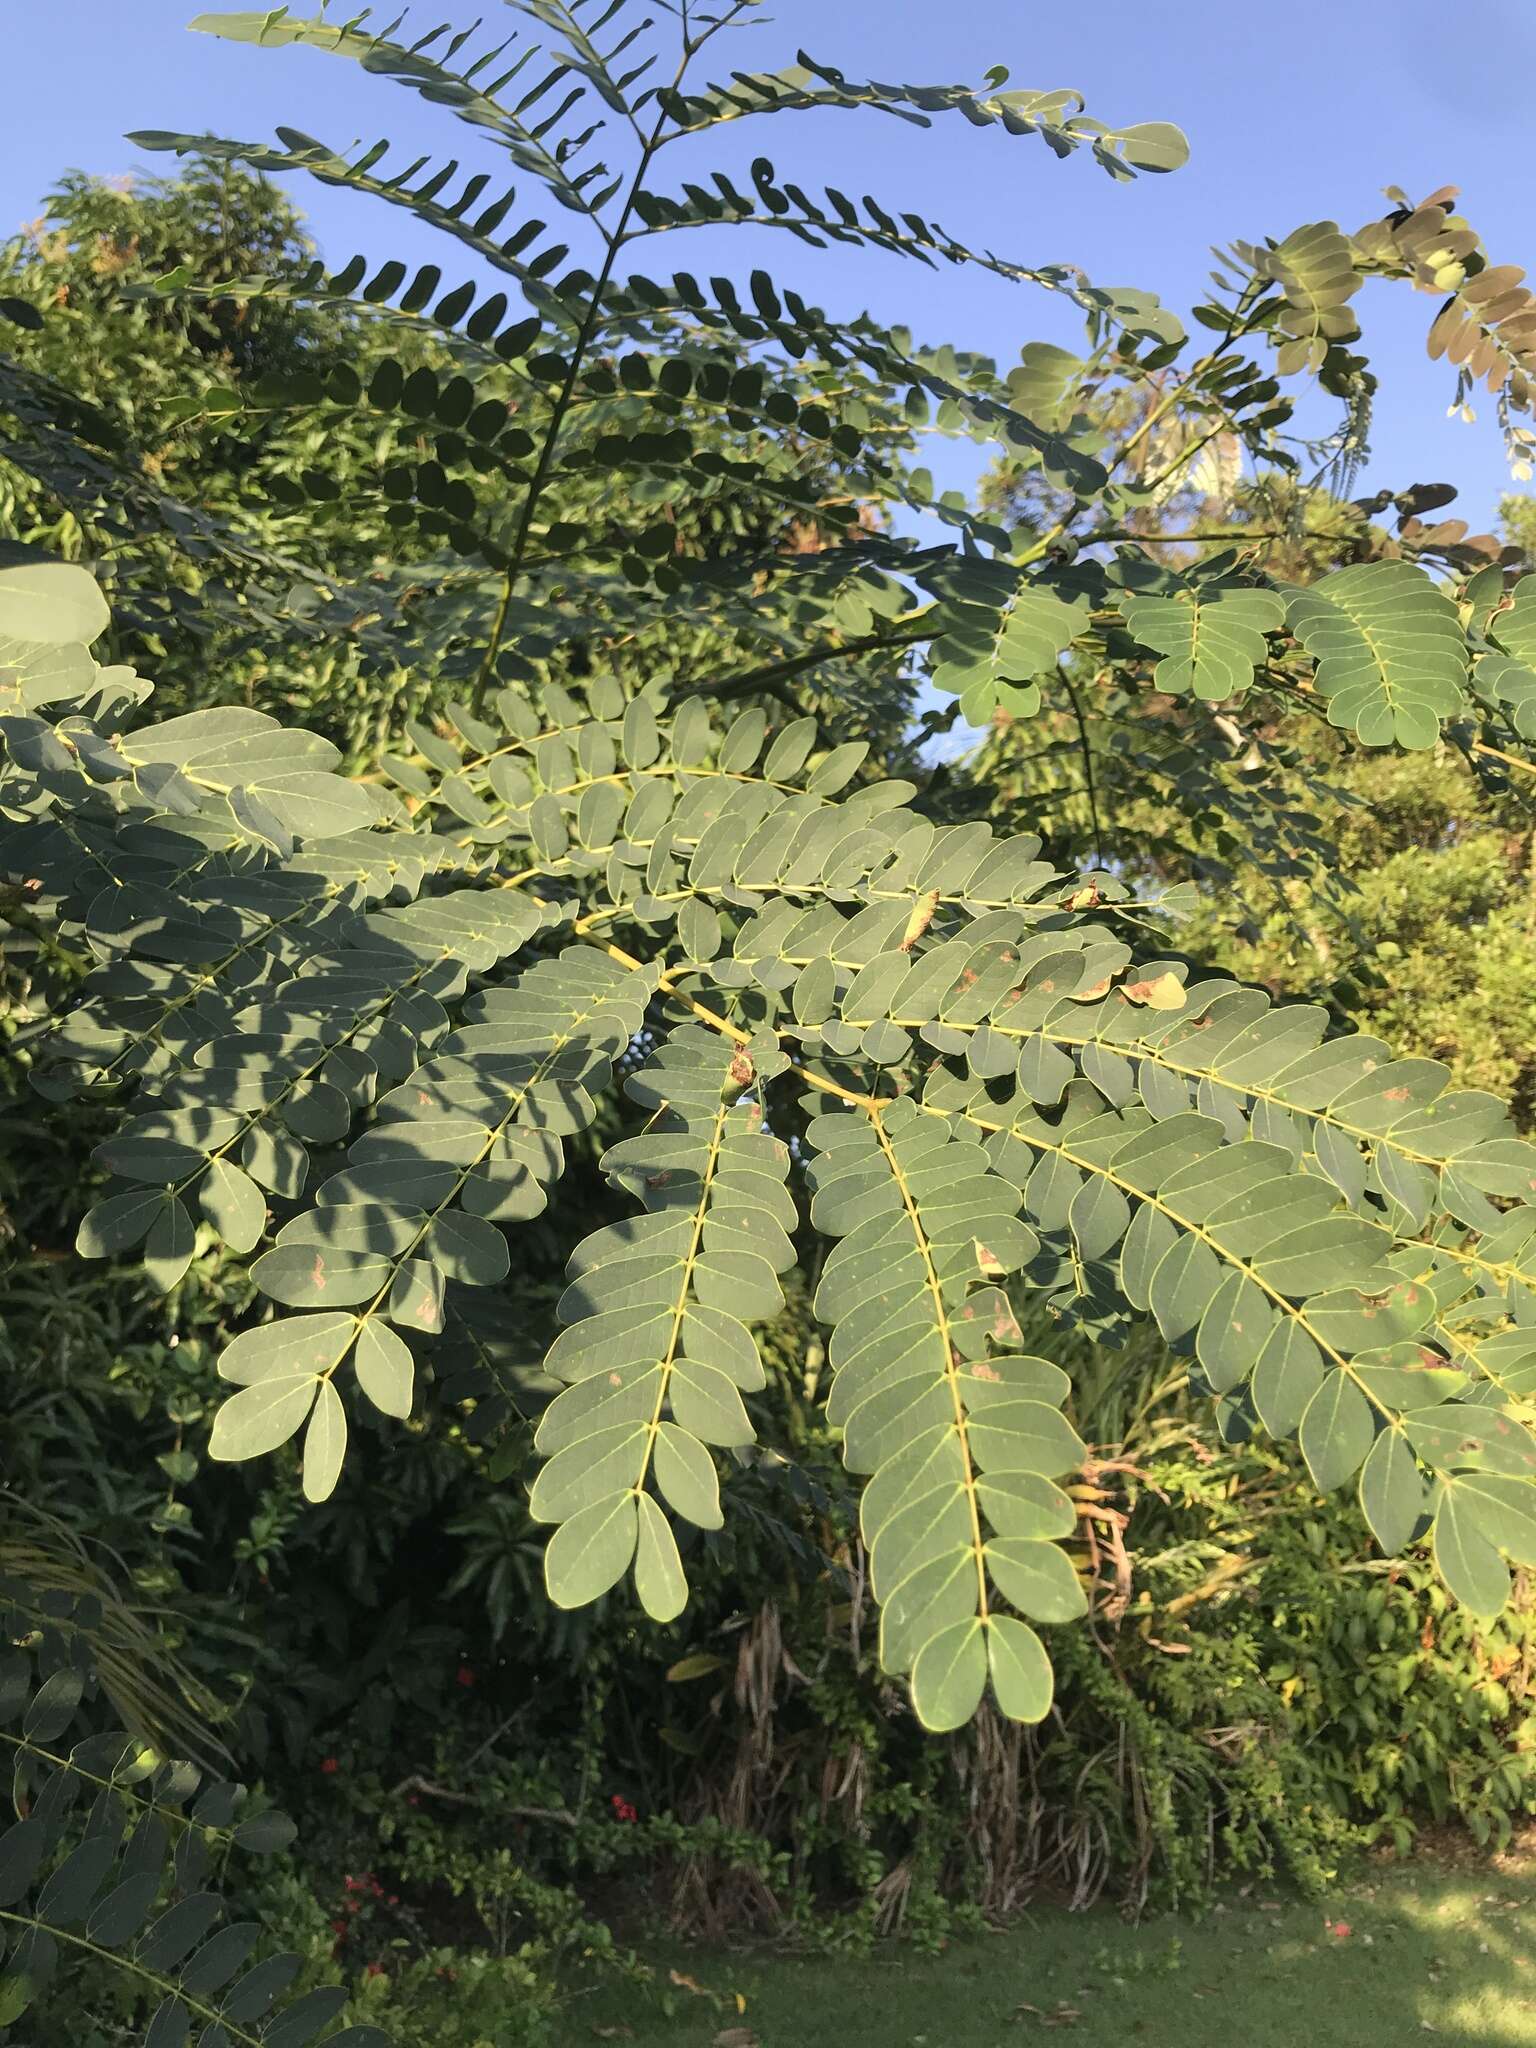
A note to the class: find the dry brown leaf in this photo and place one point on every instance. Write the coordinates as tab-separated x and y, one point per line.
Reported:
1162	992
919	920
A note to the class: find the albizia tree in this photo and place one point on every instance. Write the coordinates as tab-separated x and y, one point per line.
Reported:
356	1020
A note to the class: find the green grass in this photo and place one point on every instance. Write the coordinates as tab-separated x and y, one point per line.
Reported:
1429	1953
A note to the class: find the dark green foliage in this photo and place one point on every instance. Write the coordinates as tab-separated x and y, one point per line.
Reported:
114	1850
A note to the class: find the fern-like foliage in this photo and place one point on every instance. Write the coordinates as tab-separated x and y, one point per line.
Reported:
110	1860
365	1050
356	1020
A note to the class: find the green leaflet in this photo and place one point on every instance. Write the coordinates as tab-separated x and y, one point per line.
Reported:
1513	626
261	1417
1336	1431
325	1443
1391	659
1022	1680
1211	641
1391	1491
959	1441
1467	1556
51	604
656	1342
385	1370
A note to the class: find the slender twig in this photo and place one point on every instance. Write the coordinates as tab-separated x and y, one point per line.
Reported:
540	477
750	681
1175	540
557	1814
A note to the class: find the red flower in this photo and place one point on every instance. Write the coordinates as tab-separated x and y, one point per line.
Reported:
1339	1929
466	1676
374	1970
622	1810
330	1766
338	1927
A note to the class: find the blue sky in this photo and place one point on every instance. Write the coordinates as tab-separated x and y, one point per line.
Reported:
1295	112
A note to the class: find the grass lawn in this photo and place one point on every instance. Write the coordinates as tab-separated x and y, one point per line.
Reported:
1401	1954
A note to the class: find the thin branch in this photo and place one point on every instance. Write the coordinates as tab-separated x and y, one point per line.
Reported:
557	1814
751	681
562	404
1175	540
